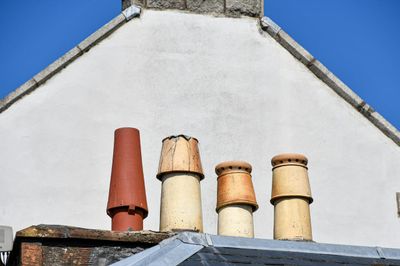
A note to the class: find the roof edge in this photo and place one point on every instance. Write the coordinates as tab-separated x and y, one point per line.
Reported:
326	76
305	247
178	248
71	232
70	56
171	251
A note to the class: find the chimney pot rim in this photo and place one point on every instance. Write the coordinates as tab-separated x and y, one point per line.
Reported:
253	204
160	175
309	198
126	128
127	207
187	137
227	166
295	158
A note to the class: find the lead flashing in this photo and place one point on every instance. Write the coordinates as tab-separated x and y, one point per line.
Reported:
178	248
70	56
131	12
268	25
195	238
171	251
326	76
305	247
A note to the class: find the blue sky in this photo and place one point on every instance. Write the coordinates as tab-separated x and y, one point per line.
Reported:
358	40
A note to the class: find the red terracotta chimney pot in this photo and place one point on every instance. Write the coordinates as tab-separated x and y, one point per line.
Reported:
127	205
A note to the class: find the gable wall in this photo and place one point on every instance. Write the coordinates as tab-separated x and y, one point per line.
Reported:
218	79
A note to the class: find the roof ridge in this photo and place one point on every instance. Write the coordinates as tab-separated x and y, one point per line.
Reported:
326	76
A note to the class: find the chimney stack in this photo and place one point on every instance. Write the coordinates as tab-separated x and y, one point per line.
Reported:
127	205
236	200
230	8
291	196
180	172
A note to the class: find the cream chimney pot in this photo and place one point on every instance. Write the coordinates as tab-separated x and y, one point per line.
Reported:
291	196
180	172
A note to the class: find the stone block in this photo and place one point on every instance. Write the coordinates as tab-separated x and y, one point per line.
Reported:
21	91
237	8
128	3
166	4
206	6
294	48
101	33
335	83
353	99
387	128
57	65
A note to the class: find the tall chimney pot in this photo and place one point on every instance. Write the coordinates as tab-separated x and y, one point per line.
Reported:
236	200
127	205
180	172
291	196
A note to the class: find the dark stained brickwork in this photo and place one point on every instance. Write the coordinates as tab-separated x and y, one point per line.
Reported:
64	245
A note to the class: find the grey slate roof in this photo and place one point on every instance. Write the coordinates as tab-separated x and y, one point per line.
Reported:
267	26
203	249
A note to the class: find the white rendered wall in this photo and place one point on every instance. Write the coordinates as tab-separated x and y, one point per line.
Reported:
218	79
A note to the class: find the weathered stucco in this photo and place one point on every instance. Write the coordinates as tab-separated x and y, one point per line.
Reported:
218	79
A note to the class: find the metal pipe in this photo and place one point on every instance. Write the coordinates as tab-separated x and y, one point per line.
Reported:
236	200
180	172
291	196
127	205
